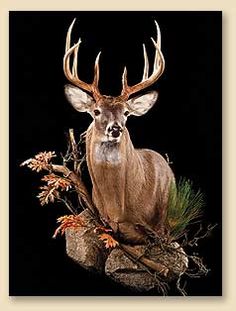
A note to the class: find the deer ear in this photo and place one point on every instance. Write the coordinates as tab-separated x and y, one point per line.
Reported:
141	104
79	99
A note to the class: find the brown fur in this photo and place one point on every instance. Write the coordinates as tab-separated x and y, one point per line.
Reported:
130	186
134	191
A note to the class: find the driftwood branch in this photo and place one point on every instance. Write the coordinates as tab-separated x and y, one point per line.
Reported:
78	184
138	257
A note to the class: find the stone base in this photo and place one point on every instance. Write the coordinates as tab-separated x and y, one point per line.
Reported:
134	275
84	247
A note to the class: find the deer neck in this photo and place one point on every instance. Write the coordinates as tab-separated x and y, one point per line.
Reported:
107	164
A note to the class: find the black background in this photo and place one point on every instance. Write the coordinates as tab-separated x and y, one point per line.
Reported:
185	123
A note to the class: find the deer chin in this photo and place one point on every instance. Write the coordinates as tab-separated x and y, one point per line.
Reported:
110	140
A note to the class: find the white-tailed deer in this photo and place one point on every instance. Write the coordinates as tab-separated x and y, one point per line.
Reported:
130	186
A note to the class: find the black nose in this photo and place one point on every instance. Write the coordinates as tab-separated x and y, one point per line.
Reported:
115	130
115	133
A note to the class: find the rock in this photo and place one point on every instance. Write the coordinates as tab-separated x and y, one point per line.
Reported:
84	246
175	259
122	269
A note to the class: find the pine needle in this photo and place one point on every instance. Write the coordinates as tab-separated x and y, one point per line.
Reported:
184	206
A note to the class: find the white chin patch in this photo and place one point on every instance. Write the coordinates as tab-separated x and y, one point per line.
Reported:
115	140
109	138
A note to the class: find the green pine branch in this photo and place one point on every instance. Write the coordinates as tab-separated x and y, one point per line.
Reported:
185	205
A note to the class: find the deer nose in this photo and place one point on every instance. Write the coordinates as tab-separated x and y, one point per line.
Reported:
115	130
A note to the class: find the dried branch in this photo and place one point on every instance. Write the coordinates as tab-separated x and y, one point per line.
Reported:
168	159
57	181
200	270
74	150
48	194
68	205
161	285
40	161
155	266
180	288
197	237
77	183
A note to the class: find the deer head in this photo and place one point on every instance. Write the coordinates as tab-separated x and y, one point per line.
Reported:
110	113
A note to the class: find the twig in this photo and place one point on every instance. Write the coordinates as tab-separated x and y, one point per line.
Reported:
68	156
197	237
68	205
82	136
202	270
74	150
78	184
181	289
167	159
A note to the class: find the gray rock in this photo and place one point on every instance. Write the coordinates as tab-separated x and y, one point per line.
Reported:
175	259
84	246
122	269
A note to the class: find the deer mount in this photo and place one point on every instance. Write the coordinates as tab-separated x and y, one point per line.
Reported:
133	190
130	186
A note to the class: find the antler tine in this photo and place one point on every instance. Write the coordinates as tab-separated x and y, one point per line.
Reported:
66	62
158	41
158	68
72	76
146	64
96	70
68	36
74	66
124	79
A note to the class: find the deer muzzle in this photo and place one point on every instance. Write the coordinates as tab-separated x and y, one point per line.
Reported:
114	130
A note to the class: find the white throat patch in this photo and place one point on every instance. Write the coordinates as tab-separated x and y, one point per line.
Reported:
107	152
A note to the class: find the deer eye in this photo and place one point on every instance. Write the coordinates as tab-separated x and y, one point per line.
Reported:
126	113
96	112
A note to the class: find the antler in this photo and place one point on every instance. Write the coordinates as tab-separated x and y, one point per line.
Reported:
158	68
72	76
